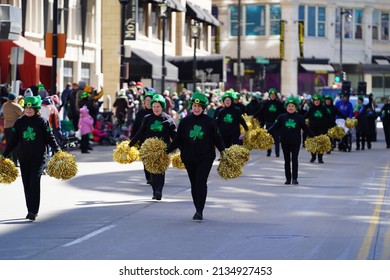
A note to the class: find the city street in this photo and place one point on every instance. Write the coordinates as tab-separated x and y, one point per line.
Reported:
339	211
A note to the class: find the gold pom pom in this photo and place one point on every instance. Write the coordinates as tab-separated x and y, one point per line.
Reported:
336	132
176	161
232	161
153	155
318	144
258	138
8	171
124	154
351	123
62	166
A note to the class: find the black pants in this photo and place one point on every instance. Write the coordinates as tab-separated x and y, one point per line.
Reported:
84	143
198	174
361	139
275	136
157	182
147	175
31	172
386	130
231	139
290	153
8	136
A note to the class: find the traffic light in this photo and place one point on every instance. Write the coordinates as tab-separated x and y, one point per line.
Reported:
338	77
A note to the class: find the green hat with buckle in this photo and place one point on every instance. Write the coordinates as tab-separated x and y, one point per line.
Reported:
158	98
32	102
292	100
199	98
229	94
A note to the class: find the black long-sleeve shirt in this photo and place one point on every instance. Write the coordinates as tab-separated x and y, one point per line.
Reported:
319	119
290	126
162	126
139	117
269	111
229	120
30	136
197	137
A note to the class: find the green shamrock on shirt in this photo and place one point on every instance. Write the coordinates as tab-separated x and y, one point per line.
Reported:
228	118
156	126
196	132
318	114
290	123
29	134
272	108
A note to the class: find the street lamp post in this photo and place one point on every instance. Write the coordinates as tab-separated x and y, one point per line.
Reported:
164	15
349	17
195	36
123	19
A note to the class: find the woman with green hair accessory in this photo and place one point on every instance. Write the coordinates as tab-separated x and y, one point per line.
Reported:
159	125
197	136
290	125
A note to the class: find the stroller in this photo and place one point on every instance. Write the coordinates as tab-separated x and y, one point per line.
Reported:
345	144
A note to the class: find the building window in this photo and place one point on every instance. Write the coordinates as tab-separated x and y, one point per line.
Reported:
314	18
85	72
187	32
68	72
142	8
205	36
385	26
352	28
154	21
375	25
254	19
275	16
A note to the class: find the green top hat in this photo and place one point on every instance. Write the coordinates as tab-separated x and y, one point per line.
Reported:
158	98
199	98
272	90
32	102
229	94
292	100
317	96
149	93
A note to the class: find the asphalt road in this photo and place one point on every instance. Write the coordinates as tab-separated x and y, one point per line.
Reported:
339	211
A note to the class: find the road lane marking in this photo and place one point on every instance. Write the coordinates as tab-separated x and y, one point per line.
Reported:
370	235
88	236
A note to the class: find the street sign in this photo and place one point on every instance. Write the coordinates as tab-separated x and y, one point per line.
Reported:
17	56
262	60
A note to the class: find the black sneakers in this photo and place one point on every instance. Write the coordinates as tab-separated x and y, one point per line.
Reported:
31	216
198	216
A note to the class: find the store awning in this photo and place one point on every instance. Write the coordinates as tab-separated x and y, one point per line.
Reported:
200	14
318	68
148	65
175	5
33	49
213	66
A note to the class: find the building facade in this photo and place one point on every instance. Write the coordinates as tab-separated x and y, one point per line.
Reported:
79	20
295	45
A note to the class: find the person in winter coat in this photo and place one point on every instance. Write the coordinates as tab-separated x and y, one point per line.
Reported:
11	112
361	111
385	117
157	124
290	125
196	137
86	127
267	114
333	112
121	104
229	119
319	120
30	136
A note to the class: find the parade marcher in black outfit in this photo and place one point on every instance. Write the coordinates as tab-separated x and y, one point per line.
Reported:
290	125
158	124
267	115
30	135
333	112
139	117
197	136
229	119
319	120
385	117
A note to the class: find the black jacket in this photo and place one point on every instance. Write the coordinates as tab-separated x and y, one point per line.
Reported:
30	135
197	137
